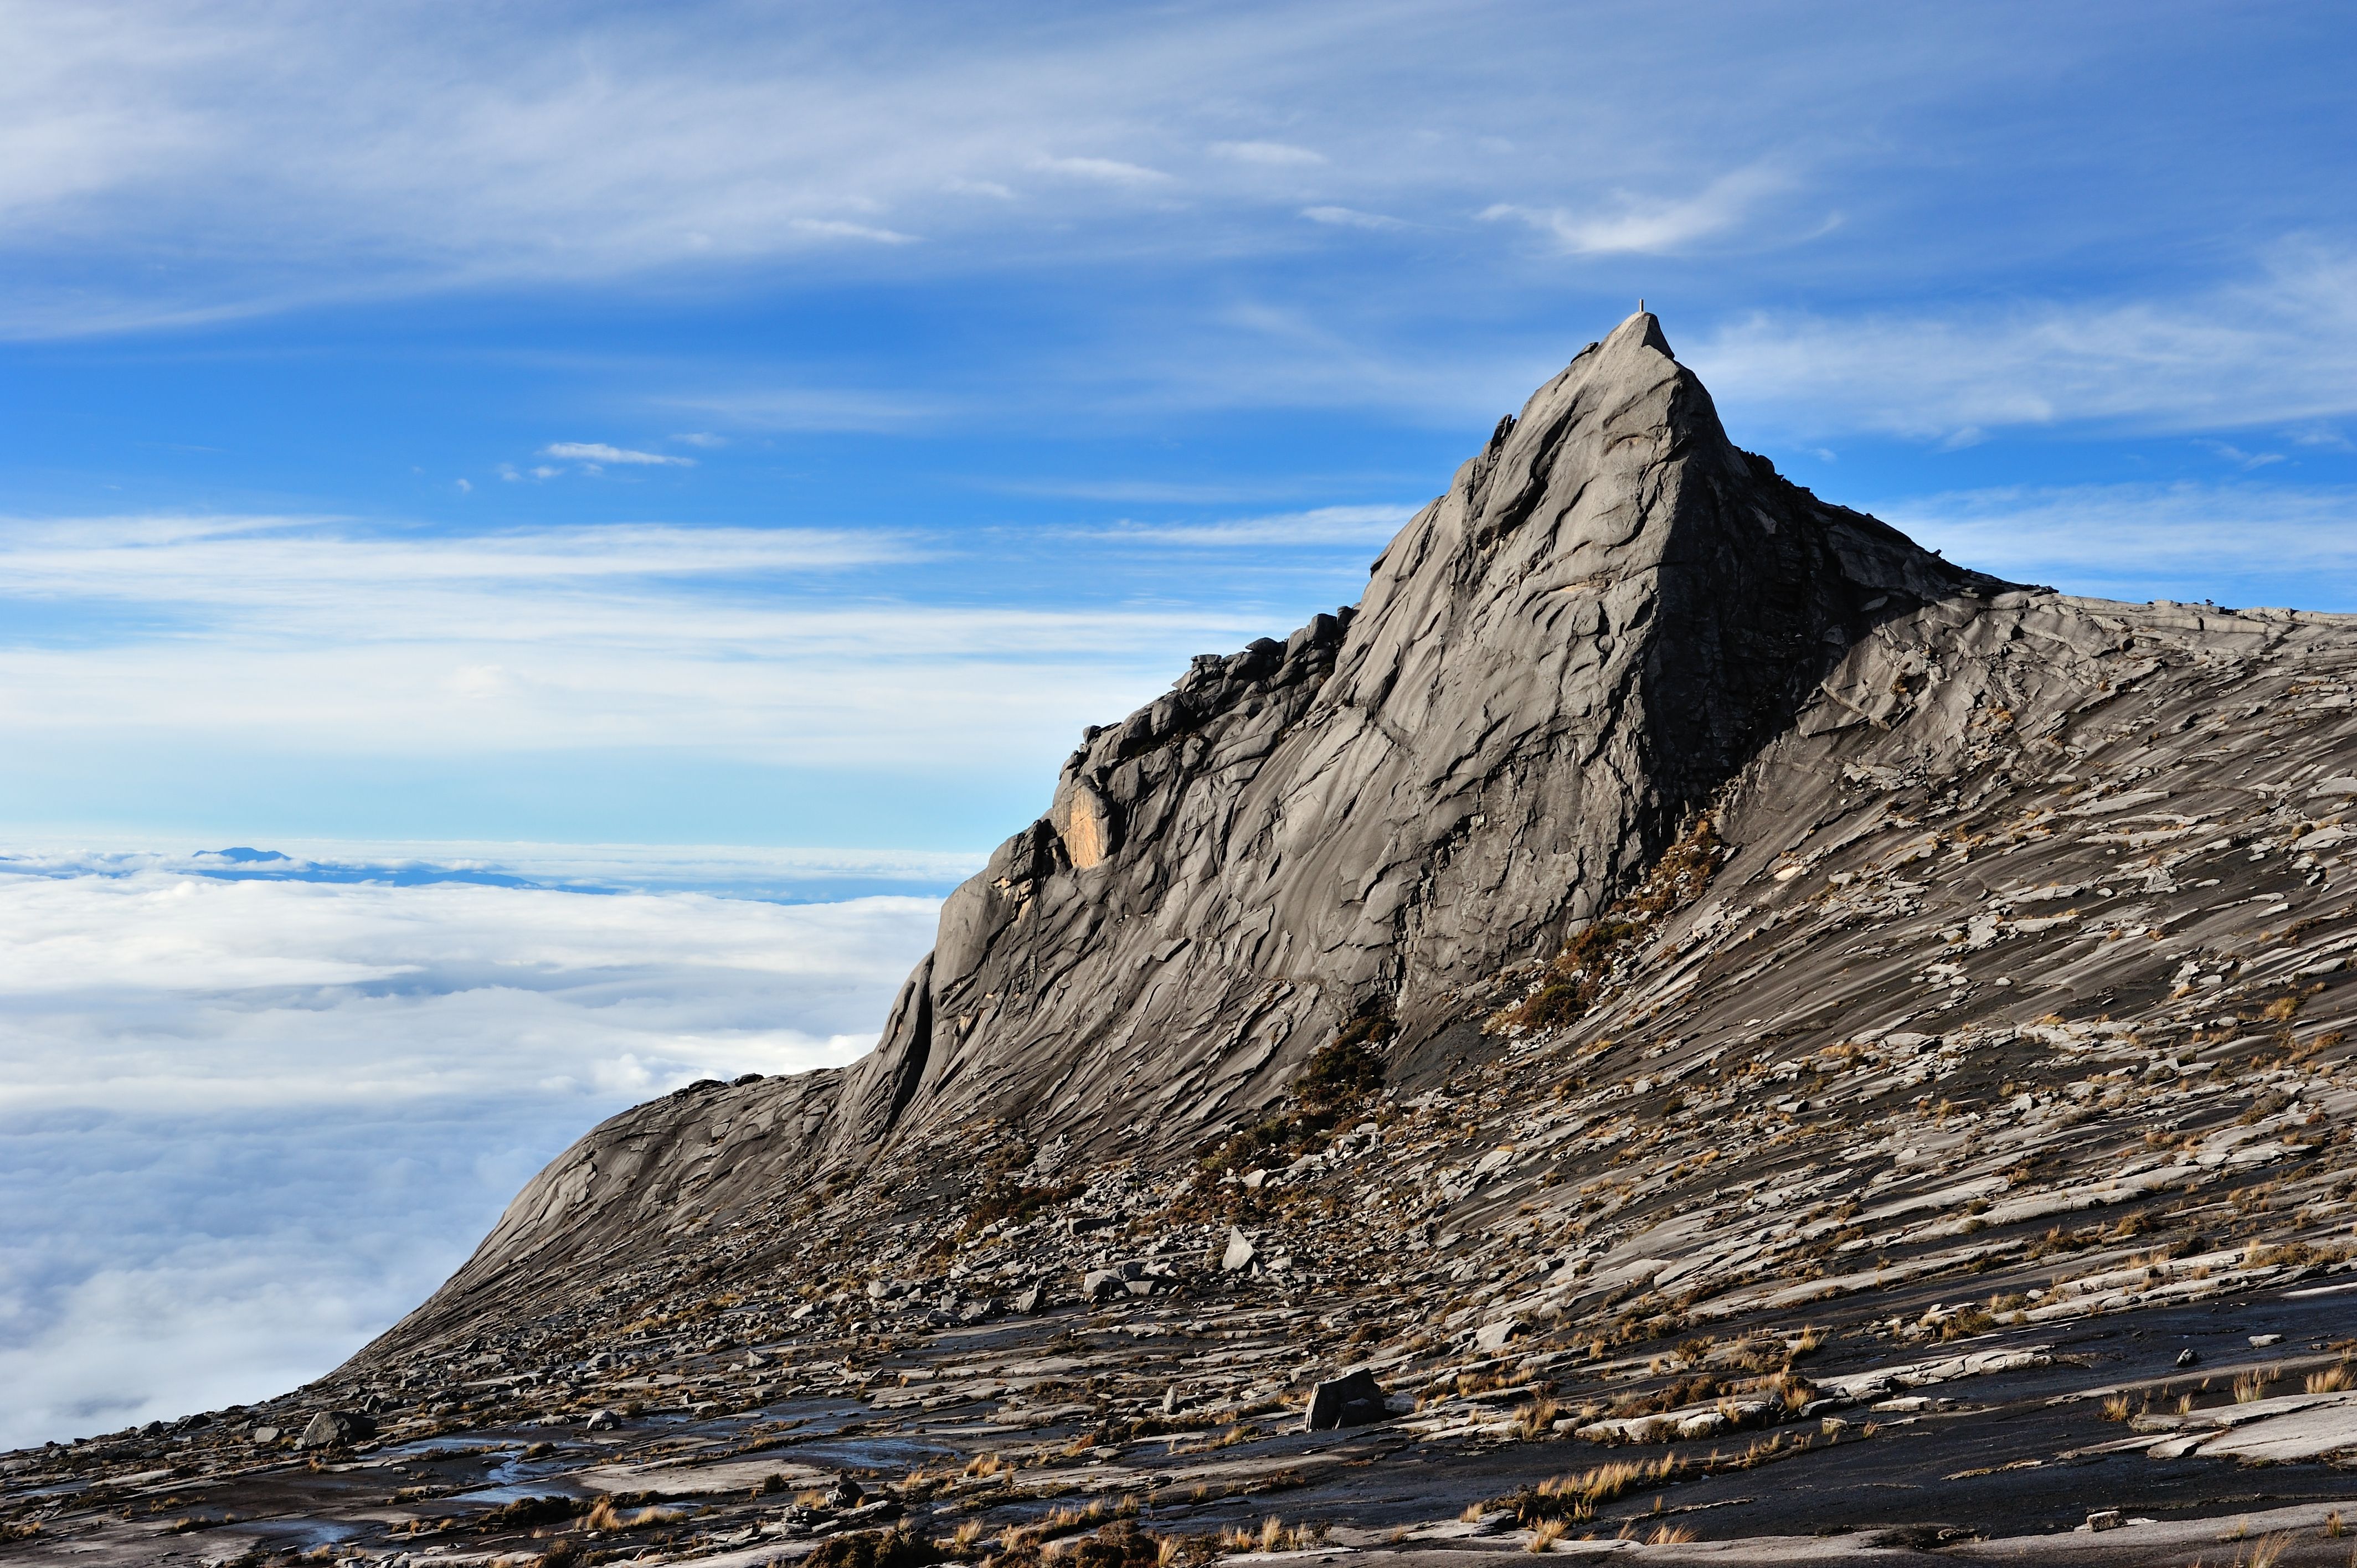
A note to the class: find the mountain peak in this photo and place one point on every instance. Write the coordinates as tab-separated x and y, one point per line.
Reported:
1642	329
1555	664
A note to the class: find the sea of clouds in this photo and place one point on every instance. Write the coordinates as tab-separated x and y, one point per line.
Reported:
252	1110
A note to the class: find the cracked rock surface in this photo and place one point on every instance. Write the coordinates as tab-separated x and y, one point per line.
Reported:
1760	1043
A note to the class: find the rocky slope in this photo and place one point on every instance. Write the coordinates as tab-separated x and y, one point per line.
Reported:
1556	664
1679	981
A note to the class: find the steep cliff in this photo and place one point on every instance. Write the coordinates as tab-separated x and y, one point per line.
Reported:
1602	619
1606	614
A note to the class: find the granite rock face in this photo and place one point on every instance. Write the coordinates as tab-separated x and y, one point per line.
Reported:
1599	624
1556	662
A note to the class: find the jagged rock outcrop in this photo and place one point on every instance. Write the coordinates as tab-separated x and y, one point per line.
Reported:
1612	618
1602	619
1606	614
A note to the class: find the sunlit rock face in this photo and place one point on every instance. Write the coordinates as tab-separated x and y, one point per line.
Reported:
1554	662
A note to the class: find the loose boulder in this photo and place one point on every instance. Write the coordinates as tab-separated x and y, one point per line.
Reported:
332	1428
1239	1253
1354	1399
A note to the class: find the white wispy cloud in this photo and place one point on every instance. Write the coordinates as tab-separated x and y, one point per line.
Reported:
843	228
2268	350
1349	218
1112	171
243	1126
1624	222
599	452
257	559
2185	540
643	636
363	155
1317	526
1275	155
815	410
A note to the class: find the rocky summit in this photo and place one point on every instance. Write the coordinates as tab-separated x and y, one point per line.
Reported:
1682	1026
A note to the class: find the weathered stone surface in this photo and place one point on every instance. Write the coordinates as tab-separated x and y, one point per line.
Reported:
1607	615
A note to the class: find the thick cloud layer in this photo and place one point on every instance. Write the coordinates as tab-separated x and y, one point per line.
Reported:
245	1124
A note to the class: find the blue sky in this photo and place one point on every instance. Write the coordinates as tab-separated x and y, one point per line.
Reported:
788	425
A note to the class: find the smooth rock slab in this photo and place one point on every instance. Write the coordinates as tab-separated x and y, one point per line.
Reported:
2314	1433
